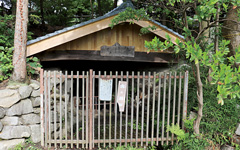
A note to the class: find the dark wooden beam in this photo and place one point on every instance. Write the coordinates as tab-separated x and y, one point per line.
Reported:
95	55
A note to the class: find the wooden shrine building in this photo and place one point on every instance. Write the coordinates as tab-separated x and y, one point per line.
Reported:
95	42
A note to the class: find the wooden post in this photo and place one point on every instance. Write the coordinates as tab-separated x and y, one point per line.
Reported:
90	108
41	106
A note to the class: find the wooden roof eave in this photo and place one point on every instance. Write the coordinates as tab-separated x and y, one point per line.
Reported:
68	36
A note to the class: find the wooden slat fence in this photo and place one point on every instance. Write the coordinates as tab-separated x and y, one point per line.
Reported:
72	116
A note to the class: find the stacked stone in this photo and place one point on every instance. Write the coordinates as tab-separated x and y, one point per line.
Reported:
19	114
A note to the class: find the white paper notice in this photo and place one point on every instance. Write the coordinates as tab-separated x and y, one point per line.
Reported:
105	89
121	96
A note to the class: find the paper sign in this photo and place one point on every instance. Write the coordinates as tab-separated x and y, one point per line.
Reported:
121	96
105	89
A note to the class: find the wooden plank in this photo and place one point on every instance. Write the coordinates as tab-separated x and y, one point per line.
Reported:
132	99
164	105
66	102
143	99
179	99
115	108
148	103
117	50
121	116
185	97
93	109
45	107
87	32
49	108
42	107
111	140
169	104
153	107
87	108
99	115
104	118
126	118
77	110
83	104
158	107
110	117
137	115
174	102
55	110
60	109
153	57
91	128
68	36
71	106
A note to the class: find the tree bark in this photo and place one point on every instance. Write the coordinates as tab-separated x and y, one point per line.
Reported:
196	124
42	13
20	41
115	3
99	8
232	32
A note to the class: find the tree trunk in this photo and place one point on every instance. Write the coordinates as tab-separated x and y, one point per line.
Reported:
200	101
99	8
42	14
232	31
115	3
91	8
13	2
20	41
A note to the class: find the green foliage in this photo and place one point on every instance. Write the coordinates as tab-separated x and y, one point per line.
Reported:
224	73
187	140
130	15
6	30
6	66
32	65
219	122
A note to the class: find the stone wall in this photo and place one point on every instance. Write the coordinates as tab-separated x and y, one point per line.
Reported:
19	114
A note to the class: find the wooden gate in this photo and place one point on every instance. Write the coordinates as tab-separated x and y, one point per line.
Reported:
73	116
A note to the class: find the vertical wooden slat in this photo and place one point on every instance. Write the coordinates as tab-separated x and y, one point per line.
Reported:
153	107
71	109
137	101
55	110
90	108
132	99
93	115
49	108
99	102
104	119
41	107
164	105
66	102
87	107
115	130
121	117
179	98
60	109
143	97
77	110
169	103
83	104
185	98
110	117
126	118
159	101
174	102
148	103
46	106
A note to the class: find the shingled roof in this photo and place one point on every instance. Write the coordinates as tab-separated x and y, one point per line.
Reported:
113	12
